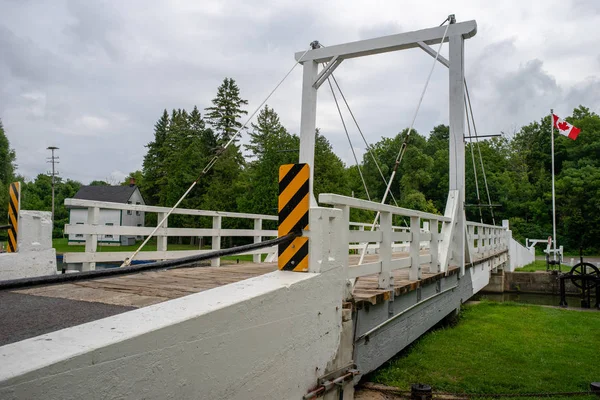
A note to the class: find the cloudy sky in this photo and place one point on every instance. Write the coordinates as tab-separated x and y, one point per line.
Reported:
92	77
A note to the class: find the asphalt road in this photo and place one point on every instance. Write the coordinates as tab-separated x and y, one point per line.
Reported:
23	316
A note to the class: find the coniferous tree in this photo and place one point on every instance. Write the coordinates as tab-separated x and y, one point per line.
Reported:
154	162
226	110
270	146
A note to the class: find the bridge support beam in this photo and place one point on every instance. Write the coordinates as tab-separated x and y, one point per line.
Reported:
457	145
308	122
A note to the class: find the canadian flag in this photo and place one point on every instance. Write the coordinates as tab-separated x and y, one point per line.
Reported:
565	128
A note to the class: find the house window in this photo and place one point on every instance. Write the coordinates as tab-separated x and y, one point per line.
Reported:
129	211
108	236
139	237
138	213
79	234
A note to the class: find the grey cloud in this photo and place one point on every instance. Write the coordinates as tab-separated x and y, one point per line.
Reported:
95	27
23	59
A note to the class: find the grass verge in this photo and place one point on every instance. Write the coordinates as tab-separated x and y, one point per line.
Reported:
503	348
537	265
62	246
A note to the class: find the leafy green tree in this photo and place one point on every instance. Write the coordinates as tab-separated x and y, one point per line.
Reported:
329	174
37	195
7	158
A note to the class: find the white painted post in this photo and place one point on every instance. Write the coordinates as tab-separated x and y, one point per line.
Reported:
434	246
216	240
457	145
507	236
161	234
308	121
415	266
257	258
91	241
326	251
343	235
360	249
385	250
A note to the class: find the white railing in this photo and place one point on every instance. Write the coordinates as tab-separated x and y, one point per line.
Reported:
387	237
425	243
486	240
92	228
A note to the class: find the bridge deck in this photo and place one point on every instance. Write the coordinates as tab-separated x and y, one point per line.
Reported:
78	302
153	287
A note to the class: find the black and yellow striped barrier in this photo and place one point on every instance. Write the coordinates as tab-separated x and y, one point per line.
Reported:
293	208
14	204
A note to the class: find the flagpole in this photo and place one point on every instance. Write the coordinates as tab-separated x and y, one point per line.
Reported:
553	193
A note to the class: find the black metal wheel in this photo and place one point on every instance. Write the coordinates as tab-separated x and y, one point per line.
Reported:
581	269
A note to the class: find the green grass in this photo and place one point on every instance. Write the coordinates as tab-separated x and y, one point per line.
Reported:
62	246
537	265
503	348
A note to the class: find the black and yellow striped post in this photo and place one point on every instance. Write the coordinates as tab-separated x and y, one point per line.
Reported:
294	203
14	204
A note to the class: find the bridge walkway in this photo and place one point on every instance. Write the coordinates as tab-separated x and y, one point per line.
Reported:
154	287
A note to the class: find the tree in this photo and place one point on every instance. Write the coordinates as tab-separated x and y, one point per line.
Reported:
271	146
226	110
329	174
7	158
223	118
153	170
99	183
7	173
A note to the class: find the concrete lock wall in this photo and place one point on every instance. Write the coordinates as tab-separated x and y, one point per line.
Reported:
268	337
35	255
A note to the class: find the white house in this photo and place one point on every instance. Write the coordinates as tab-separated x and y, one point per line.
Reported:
116	194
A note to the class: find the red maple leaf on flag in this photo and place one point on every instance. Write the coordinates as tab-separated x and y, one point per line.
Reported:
563	126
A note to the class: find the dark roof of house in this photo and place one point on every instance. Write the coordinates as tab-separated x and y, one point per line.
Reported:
114	194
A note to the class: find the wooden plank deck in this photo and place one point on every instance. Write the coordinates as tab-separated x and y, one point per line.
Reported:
153	287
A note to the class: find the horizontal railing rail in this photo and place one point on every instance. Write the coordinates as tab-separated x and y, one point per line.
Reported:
92	229
485	240
411	248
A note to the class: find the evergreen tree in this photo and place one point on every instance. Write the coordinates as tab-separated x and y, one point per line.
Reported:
226	110
153	170
271	146
265	131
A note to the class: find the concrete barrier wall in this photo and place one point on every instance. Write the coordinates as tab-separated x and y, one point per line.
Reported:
35	255
519	255
268	337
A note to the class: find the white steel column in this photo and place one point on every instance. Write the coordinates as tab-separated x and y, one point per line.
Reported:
457	146
308	122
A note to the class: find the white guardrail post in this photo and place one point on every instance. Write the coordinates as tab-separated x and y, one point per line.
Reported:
161	234
434	245
385	250
216	240
257	258
415	249
91	241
